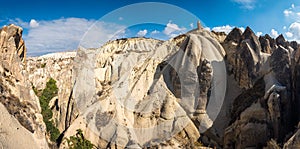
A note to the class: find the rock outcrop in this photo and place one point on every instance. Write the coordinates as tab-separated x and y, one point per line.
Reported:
293	141
20	107
145	93
139	92
59	67
264	71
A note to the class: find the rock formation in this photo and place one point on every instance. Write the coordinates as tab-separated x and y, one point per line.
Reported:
263	70
146	107
20	108
59	67
225	91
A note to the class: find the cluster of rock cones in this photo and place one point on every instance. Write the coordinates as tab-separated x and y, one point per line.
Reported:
139	92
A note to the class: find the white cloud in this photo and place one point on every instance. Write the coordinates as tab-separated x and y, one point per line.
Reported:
225	29
121	18
293	32
284	27
192	25
142	33
242	29
274	33
293	12
289	34
173	29
19	22
33	23
67	33
246	4
259	34
155	32
287	12
207	28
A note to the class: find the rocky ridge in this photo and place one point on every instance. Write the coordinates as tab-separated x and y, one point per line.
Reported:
59	67
266	108
114	93
20	108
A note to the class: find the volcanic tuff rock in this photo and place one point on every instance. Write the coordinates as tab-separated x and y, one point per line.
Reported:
266	107
59	67
129	91
21	118
142	92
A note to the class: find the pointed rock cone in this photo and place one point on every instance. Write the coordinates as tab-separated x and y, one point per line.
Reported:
199	26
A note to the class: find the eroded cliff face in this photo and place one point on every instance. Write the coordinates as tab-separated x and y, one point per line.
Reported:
266	107
59	67
142	92
20	108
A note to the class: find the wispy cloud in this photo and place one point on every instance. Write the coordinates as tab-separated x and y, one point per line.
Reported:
33	23
293	32
19	22
155	32
172	29
274	33
142	33
66	34
226	29
293	12
246	4
192	25
259	34
287	12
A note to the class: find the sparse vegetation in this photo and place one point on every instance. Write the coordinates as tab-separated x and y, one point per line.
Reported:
79	142
43	65
45	96
198	144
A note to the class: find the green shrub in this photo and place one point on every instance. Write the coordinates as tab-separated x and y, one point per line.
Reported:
43	65
79	142
47	94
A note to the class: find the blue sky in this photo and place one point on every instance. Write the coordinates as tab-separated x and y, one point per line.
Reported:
51	26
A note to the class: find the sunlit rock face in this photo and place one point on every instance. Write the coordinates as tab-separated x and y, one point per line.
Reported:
226	91
265	71
147	93
59	67
20	108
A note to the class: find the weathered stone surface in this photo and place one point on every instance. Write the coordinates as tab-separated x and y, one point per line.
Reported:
142	92
280	40
17	95
294	141
296	81
59	67
265	44
135	89
243	55
220	36
14	135
235	36
271	61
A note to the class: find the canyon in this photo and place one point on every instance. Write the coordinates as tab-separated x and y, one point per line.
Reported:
201	89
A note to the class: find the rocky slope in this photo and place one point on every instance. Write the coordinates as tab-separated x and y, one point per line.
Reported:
130	91
59	67
266	107
21	123
225	91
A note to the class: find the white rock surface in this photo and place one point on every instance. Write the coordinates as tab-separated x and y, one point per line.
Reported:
125	94
14	136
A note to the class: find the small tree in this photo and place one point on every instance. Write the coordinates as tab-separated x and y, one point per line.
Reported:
79	142
47	94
